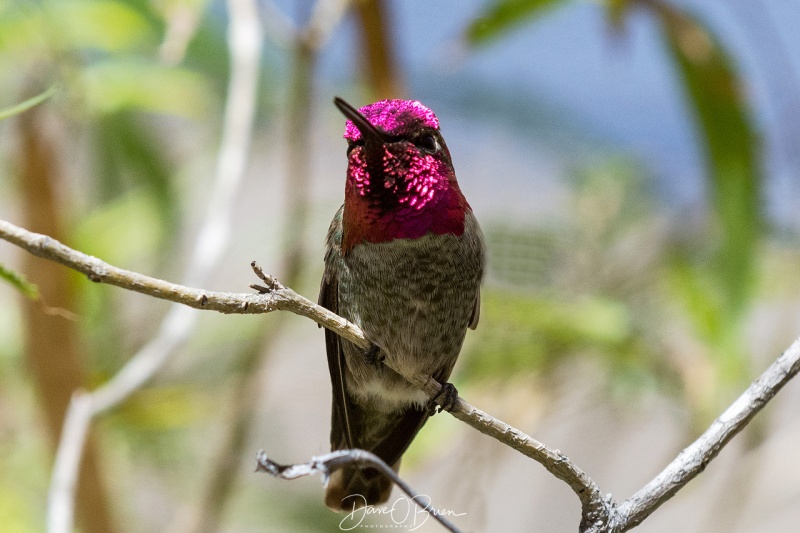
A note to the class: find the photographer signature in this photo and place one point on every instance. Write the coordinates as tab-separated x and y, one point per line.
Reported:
404	512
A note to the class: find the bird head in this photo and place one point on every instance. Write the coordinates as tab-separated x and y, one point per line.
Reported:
400	177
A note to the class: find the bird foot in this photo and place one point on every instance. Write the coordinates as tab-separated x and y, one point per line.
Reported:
450	394
373	356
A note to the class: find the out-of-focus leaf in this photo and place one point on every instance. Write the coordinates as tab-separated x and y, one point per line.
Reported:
503	15
703	302
27	104
102	24
164	408
15	512
73	24
522	332
122	231
207	53
117	85
182	18
717	97
130	156
21	29
19	282
706	305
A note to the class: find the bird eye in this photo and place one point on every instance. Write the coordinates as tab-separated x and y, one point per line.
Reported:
428	143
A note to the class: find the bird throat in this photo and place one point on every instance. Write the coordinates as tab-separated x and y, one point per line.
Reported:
399	195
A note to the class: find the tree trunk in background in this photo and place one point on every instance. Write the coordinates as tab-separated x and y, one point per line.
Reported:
379	59
51	341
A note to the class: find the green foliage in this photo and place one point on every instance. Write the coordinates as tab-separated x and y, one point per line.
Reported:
125	84
129	159
714	279
14	515
38	29
19	510
99	24
503	15
132	219
127	230
524	332
570	286
163	408
18	281
103	51
716	283
730	143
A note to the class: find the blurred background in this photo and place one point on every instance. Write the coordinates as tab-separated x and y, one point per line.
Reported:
634	165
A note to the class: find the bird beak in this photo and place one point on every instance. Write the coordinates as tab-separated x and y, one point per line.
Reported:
369	131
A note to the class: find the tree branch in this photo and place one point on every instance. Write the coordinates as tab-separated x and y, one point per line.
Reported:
599	514
278	297
694	458
329	463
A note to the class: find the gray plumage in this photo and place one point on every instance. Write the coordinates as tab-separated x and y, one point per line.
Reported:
414	299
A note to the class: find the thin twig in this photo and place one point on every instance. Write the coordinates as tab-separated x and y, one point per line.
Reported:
329	463
279	28
61	497
181	22
694	459
324	18
244	42
29	103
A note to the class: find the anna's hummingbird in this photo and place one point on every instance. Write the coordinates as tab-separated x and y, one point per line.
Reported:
404	261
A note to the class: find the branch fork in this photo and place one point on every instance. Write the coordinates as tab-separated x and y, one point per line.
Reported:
272	283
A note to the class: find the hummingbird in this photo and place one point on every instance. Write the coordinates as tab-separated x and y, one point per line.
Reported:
404	261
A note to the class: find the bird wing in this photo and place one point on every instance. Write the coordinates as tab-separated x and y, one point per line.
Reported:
341	430
340	423
476	312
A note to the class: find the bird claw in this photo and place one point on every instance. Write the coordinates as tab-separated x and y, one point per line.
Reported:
373	356
450	394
